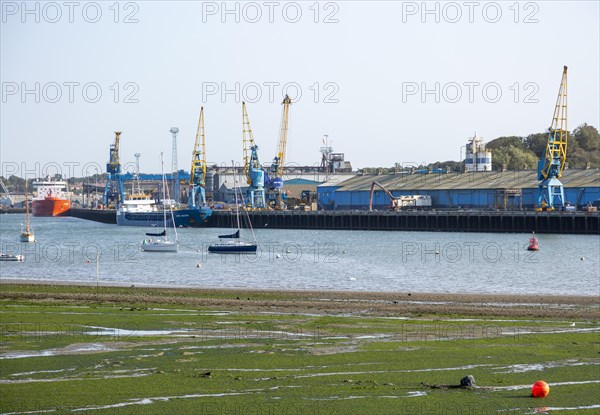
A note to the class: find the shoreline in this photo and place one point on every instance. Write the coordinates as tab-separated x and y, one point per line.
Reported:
326	302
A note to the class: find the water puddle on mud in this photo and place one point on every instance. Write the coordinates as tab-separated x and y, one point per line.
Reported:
549	409
35	372
113	332
148	401
519	387
114	374
411	394
374	372
520	368
74	349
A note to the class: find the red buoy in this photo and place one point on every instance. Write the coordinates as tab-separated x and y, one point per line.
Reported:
540	389
533	243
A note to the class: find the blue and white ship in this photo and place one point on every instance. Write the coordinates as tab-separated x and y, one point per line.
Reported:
141	210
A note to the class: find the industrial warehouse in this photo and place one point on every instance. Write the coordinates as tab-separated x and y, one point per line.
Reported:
510	190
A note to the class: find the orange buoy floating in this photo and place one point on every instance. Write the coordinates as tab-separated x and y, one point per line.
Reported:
540	389
533	243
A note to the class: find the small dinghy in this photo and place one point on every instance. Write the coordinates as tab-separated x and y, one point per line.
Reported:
11	257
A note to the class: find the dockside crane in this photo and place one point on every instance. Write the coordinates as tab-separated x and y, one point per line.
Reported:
8	199
394	202
550	166
255	176
197	194
276	192
114	189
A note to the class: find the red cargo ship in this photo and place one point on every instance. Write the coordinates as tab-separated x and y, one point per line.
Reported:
52	199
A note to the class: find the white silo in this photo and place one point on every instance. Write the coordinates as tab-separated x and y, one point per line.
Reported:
477	158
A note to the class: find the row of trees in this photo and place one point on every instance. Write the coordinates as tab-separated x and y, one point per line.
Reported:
517	153
523	153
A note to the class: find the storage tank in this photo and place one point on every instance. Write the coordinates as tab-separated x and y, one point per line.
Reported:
258	177
209	183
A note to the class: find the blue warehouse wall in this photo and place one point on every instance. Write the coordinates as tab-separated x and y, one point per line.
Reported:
326	196
581	196
476	198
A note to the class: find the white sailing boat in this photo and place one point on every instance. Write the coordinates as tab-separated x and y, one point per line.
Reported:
232	243
27	233
160	242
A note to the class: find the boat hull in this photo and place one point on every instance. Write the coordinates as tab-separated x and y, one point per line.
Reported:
50	206
159	246
12	258
184	218
27	237
232	248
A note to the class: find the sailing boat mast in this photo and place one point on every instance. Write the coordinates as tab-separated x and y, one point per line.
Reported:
237	212
243	204
164	184
170	210
27	222
26	234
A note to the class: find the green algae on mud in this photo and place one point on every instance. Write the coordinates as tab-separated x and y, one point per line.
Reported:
126	356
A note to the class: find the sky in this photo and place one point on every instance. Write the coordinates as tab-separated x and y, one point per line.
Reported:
388	82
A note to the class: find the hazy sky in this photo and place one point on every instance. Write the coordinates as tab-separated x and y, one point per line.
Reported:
389	82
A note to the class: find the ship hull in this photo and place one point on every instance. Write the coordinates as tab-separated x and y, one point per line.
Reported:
50	207
184	218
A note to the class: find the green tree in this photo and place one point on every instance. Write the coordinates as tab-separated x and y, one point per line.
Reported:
587	137
16	184
536	143
514	158
450	165
502	142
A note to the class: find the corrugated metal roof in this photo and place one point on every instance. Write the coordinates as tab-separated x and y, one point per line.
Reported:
300	181
477	180
338	179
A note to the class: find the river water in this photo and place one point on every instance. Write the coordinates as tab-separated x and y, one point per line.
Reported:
67	250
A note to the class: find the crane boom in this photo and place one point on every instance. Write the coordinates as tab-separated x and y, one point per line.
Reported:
255	176
393	199
279	160
114	165
198	169
275	192
552	162
249	145
114	190
555	154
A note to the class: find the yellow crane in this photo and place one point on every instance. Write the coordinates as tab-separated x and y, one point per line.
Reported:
114	191
197	193
550	167
276	180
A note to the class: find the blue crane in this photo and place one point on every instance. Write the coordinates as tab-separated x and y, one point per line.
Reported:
255	175
114	190
550	167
